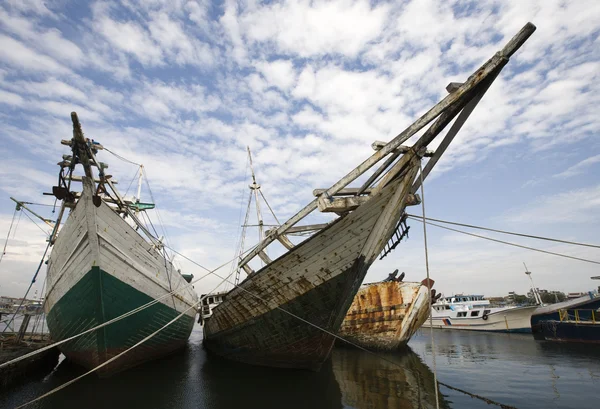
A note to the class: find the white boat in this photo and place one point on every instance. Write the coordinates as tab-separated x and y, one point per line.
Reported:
473	312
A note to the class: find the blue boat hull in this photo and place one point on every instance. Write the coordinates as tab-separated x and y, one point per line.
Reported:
571	331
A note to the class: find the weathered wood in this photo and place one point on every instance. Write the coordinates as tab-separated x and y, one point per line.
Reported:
264	257
378	145
285	242
341	204
349	191
452	132
453	86
76	178
248	269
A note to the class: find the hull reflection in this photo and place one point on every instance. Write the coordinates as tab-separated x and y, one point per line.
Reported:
367	382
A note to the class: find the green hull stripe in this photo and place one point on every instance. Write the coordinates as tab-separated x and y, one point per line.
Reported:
99	297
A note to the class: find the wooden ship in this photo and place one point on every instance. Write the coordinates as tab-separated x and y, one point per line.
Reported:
286	313
386	314
105	263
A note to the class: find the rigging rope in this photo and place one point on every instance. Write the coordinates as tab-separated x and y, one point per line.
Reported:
121	157
508	232
120	317
8	235
506	242
437	399
47	233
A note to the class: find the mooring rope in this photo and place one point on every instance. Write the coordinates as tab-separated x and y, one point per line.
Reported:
531	236
506	242
72	381
435	381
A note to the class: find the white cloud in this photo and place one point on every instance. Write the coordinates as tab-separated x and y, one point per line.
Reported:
278	73
311	29
20	56
578	168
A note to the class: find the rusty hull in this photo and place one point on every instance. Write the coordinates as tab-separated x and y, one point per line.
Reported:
385	315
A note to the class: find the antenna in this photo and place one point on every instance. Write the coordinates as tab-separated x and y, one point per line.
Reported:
536	296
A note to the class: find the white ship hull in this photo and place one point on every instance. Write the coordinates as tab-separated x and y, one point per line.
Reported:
512	319
101	268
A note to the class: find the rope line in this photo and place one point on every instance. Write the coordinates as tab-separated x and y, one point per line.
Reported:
437	399
473	395
509	232
121	157
123	316
64	385
8	235
506	242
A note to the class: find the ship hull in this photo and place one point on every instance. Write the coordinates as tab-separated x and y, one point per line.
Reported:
552	312
510	320
100	268
285	315
99	297
585	332
386	315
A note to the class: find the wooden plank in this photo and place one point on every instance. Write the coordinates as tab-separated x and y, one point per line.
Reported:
341	204
349	191
378	145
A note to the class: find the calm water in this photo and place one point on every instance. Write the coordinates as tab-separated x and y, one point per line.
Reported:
511	369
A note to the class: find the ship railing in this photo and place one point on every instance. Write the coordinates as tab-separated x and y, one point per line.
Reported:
580	315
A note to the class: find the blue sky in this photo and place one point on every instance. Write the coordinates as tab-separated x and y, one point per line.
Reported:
184	86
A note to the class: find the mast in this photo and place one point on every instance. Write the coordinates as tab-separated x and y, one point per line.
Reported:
255	187
138	198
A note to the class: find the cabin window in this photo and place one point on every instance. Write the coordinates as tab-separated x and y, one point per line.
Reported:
210	300
462	314
447	307
486	311
474	313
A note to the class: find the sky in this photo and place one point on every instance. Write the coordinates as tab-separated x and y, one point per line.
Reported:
184	86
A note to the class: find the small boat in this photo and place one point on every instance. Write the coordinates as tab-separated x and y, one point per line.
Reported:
574	320
103	265
473	312
386	314
284	314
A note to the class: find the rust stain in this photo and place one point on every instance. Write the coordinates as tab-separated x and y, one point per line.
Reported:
378	312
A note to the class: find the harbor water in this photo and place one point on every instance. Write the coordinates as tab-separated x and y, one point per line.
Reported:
511	369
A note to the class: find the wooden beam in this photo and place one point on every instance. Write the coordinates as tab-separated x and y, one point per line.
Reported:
349	191
453	86
497	61
452	132
263	256
247	269
377	145
283	239
341	204
75	178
